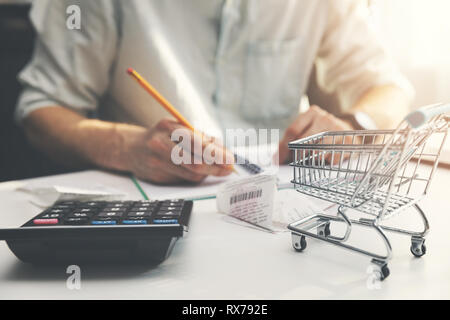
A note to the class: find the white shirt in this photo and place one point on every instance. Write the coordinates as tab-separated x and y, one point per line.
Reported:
222	63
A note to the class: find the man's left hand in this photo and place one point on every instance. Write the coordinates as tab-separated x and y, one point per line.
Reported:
315	120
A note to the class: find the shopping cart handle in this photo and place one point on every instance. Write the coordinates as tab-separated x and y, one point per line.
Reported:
421	116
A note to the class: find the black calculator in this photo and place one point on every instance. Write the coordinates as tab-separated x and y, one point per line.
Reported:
101	232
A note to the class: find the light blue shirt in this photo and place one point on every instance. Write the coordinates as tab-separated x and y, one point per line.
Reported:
222	63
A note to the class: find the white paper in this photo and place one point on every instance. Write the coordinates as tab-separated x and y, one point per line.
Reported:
273	211
209	187
44	195
249	199
291	206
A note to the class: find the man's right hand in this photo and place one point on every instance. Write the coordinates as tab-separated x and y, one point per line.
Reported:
148	152
75	141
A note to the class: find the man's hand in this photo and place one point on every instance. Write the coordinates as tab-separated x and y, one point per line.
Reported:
148	155
315	120
75	141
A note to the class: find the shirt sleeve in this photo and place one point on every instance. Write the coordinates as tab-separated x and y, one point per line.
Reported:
69	67
351	59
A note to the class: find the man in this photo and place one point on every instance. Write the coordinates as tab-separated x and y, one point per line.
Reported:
222	63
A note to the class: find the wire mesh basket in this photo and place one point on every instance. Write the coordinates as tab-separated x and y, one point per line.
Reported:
378	173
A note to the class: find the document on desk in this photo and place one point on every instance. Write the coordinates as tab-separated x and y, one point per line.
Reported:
209	188
255	202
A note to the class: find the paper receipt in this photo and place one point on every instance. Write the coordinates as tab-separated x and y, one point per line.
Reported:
250	199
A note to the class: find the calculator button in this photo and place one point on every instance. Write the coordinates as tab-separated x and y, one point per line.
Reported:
58	211
172	202
94	204
168	213
166	217
118	205
63	207
139	214
104	222
115	209
171	209
45	221
146	209
172	205
139	207
80	215
68	203
139	221
146	204
165	221
51	216
76	221
87	210
111	214
164	208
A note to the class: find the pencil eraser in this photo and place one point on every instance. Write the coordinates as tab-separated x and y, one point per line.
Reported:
130	70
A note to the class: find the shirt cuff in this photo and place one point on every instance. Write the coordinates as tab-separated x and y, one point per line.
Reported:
31	100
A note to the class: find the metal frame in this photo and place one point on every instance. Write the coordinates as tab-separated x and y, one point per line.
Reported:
374	173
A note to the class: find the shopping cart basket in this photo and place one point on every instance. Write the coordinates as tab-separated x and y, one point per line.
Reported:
377	173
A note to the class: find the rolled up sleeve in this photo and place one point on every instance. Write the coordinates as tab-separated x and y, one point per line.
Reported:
351	59
69	68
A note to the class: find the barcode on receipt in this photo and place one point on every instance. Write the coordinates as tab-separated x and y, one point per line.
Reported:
246	196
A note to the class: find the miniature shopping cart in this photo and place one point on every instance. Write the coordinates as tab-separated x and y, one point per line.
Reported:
376	173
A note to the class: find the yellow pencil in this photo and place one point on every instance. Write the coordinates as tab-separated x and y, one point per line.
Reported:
161	100
158	97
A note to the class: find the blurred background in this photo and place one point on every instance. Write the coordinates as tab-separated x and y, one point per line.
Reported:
415	33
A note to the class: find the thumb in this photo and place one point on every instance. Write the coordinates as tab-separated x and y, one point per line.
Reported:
283	152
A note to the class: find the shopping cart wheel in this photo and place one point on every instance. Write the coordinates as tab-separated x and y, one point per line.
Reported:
298	242
385	271
324	230
418	247
381	270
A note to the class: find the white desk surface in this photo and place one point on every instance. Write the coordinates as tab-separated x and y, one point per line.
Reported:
220	260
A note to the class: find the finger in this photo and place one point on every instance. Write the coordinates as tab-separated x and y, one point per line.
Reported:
211	150
166	149
156	176
302	123
213	161
168	169
193	141
282	155
319	124
296	130
328	123
162	178
197	142
221	153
